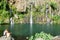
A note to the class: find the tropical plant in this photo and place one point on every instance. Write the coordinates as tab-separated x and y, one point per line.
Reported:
42	35
53	5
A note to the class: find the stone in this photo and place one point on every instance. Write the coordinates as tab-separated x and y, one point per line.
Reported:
39	39
20	5
6	38
56	38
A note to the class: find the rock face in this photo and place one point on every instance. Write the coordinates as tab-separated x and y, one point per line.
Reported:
58	1
22	4
6	38
56	38
39	39
19	4
39	2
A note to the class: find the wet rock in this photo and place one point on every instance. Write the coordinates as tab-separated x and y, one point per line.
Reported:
39	39
56	38
6	38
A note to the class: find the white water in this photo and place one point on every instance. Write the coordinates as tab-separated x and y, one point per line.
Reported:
11	21
31	20
47	11
11	24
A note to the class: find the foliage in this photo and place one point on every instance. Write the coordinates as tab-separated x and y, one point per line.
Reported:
43	35
53	5
56	17
3	11
39	10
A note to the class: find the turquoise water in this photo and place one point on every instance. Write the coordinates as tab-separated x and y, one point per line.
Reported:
21	31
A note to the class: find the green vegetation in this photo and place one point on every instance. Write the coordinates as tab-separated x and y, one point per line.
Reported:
4	14
53	5
23	17
42	35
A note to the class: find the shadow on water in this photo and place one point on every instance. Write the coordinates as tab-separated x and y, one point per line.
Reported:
21	31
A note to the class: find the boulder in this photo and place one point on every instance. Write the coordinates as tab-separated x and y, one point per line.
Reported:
39	39
6	38
56	38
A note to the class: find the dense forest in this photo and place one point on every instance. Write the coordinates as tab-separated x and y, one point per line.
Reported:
45	11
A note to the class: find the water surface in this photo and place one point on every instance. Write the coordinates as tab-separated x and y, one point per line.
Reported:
21	31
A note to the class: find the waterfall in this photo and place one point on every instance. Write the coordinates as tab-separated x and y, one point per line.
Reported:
47	11
11	24
31	20
11	20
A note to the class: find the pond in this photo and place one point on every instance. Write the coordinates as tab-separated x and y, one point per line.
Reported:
21	31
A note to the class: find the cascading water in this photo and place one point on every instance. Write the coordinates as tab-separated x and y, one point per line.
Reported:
11	20
47	11
31	21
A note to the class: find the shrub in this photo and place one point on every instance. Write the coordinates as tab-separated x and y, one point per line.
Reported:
53	5
42	35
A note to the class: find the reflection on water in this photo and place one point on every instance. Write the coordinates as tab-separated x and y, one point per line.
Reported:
21	31
31	29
